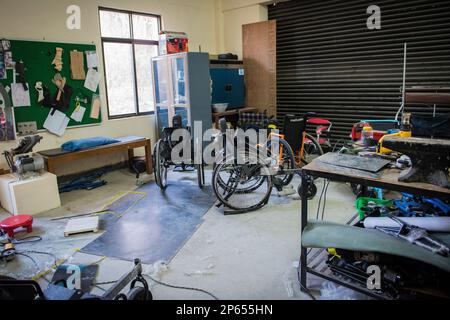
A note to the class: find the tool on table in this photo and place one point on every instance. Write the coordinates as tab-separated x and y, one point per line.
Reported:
416	235
8	252
405	132
411	205
430	159
25	164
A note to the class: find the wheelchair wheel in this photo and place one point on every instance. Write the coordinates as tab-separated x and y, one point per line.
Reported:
201	175
139	294
313	149
231	179
160	166
286	159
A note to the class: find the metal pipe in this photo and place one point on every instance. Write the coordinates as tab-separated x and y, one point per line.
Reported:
402	107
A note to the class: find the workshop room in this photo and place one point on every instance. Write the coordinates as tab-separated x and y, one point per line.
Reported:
231	150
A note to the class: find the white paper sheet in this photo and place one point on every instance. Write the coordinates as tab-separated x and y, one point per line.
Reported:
95	106
92	80
78	114
92	59
56	123
20	97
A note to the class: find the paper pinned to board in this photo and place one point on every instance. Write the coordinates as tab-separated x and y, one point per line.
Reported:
56	122
5	101
20	96
92	80
92	59
95	107
78	114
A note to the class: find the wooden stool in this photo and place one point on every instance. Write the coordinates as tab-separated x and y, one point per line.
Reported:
15	222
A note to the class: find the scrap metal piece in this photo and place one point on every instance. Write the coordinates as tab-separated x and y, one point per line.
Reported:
417	236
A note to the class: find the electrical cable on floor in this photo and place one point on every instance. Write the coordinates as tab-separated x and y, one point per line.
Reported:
325	199
29	257
31	239
181	288
319	204
104	283
306	290
100	288
43	253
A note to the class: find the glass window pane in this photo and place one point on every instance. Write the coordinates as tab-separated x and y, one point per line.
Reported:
161	82
144	55
115	24
179	81
145	27
120	78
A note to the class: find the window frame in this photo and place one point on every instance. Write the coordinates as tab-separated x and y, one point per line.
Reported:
132	42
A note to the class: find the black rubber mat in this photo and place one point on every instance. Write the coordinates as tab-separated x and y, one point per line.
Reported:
156	227
372	165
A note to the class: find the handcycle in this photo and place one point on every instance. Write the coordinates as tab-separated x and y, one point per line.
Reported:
162	156
244	178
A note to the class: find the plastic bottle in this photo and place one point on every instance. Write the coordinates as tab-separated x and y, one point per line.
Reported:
367	136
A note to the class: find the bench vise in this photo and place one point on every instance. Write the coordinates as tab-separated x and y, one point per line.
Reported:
430	159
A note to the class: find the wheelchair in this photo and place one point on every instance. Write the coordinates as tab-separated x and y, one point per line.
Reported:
243	179
162	156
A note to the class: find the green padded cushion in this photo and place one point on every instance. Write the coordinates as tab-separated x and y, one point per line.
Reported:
330	235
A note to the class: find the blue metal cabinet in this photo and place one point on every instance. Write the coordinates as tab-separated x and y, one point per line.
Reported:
228	84
182	86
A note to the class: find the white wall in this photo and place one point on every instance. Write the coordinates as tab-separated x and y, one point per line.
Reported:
46	19
233	15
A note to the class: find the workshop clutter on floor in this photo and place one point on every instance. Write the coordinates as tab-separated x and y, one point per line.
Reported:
421	221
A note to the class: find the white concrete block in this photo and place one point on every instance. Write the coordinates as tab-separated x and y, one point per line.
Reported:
31	196
82	225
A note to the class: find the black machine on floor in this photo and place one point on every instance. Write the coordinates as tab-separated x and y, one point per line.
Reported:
23	290
401	278
18	159
162	156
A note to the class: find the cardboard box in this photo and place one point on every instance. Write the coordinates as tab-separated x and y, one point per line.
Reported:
31	196
173	42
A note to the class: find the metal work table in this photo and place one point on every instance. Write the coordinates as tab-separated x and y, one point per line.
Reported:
386	179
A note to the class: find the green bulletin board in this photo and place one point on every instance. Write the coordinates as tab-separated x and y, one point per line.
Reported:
37	57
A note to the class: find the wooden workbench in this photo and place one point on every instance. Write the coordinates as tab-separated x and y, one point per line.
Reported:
386	179
57	157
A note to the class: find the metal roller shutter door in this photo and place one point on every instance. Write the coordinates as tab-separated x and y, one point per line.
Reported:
330	63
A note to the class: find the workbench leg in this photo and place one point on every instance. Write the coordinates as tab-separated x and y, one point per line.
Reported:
50	166
130	157
148	157
304	221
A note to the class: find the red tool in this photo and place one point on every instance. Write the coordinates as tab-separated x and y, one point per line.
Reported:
20	221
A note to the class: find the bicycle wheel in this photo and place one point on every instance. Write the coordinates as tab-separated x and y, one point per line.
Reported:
231	179
286	159
313	149
160	166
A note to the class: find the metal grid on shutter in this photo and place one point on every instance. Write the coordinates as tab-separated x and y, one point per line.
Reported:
330	63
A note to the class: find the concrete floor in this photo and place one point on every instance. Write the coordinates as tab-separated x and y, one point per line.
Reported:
250	256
